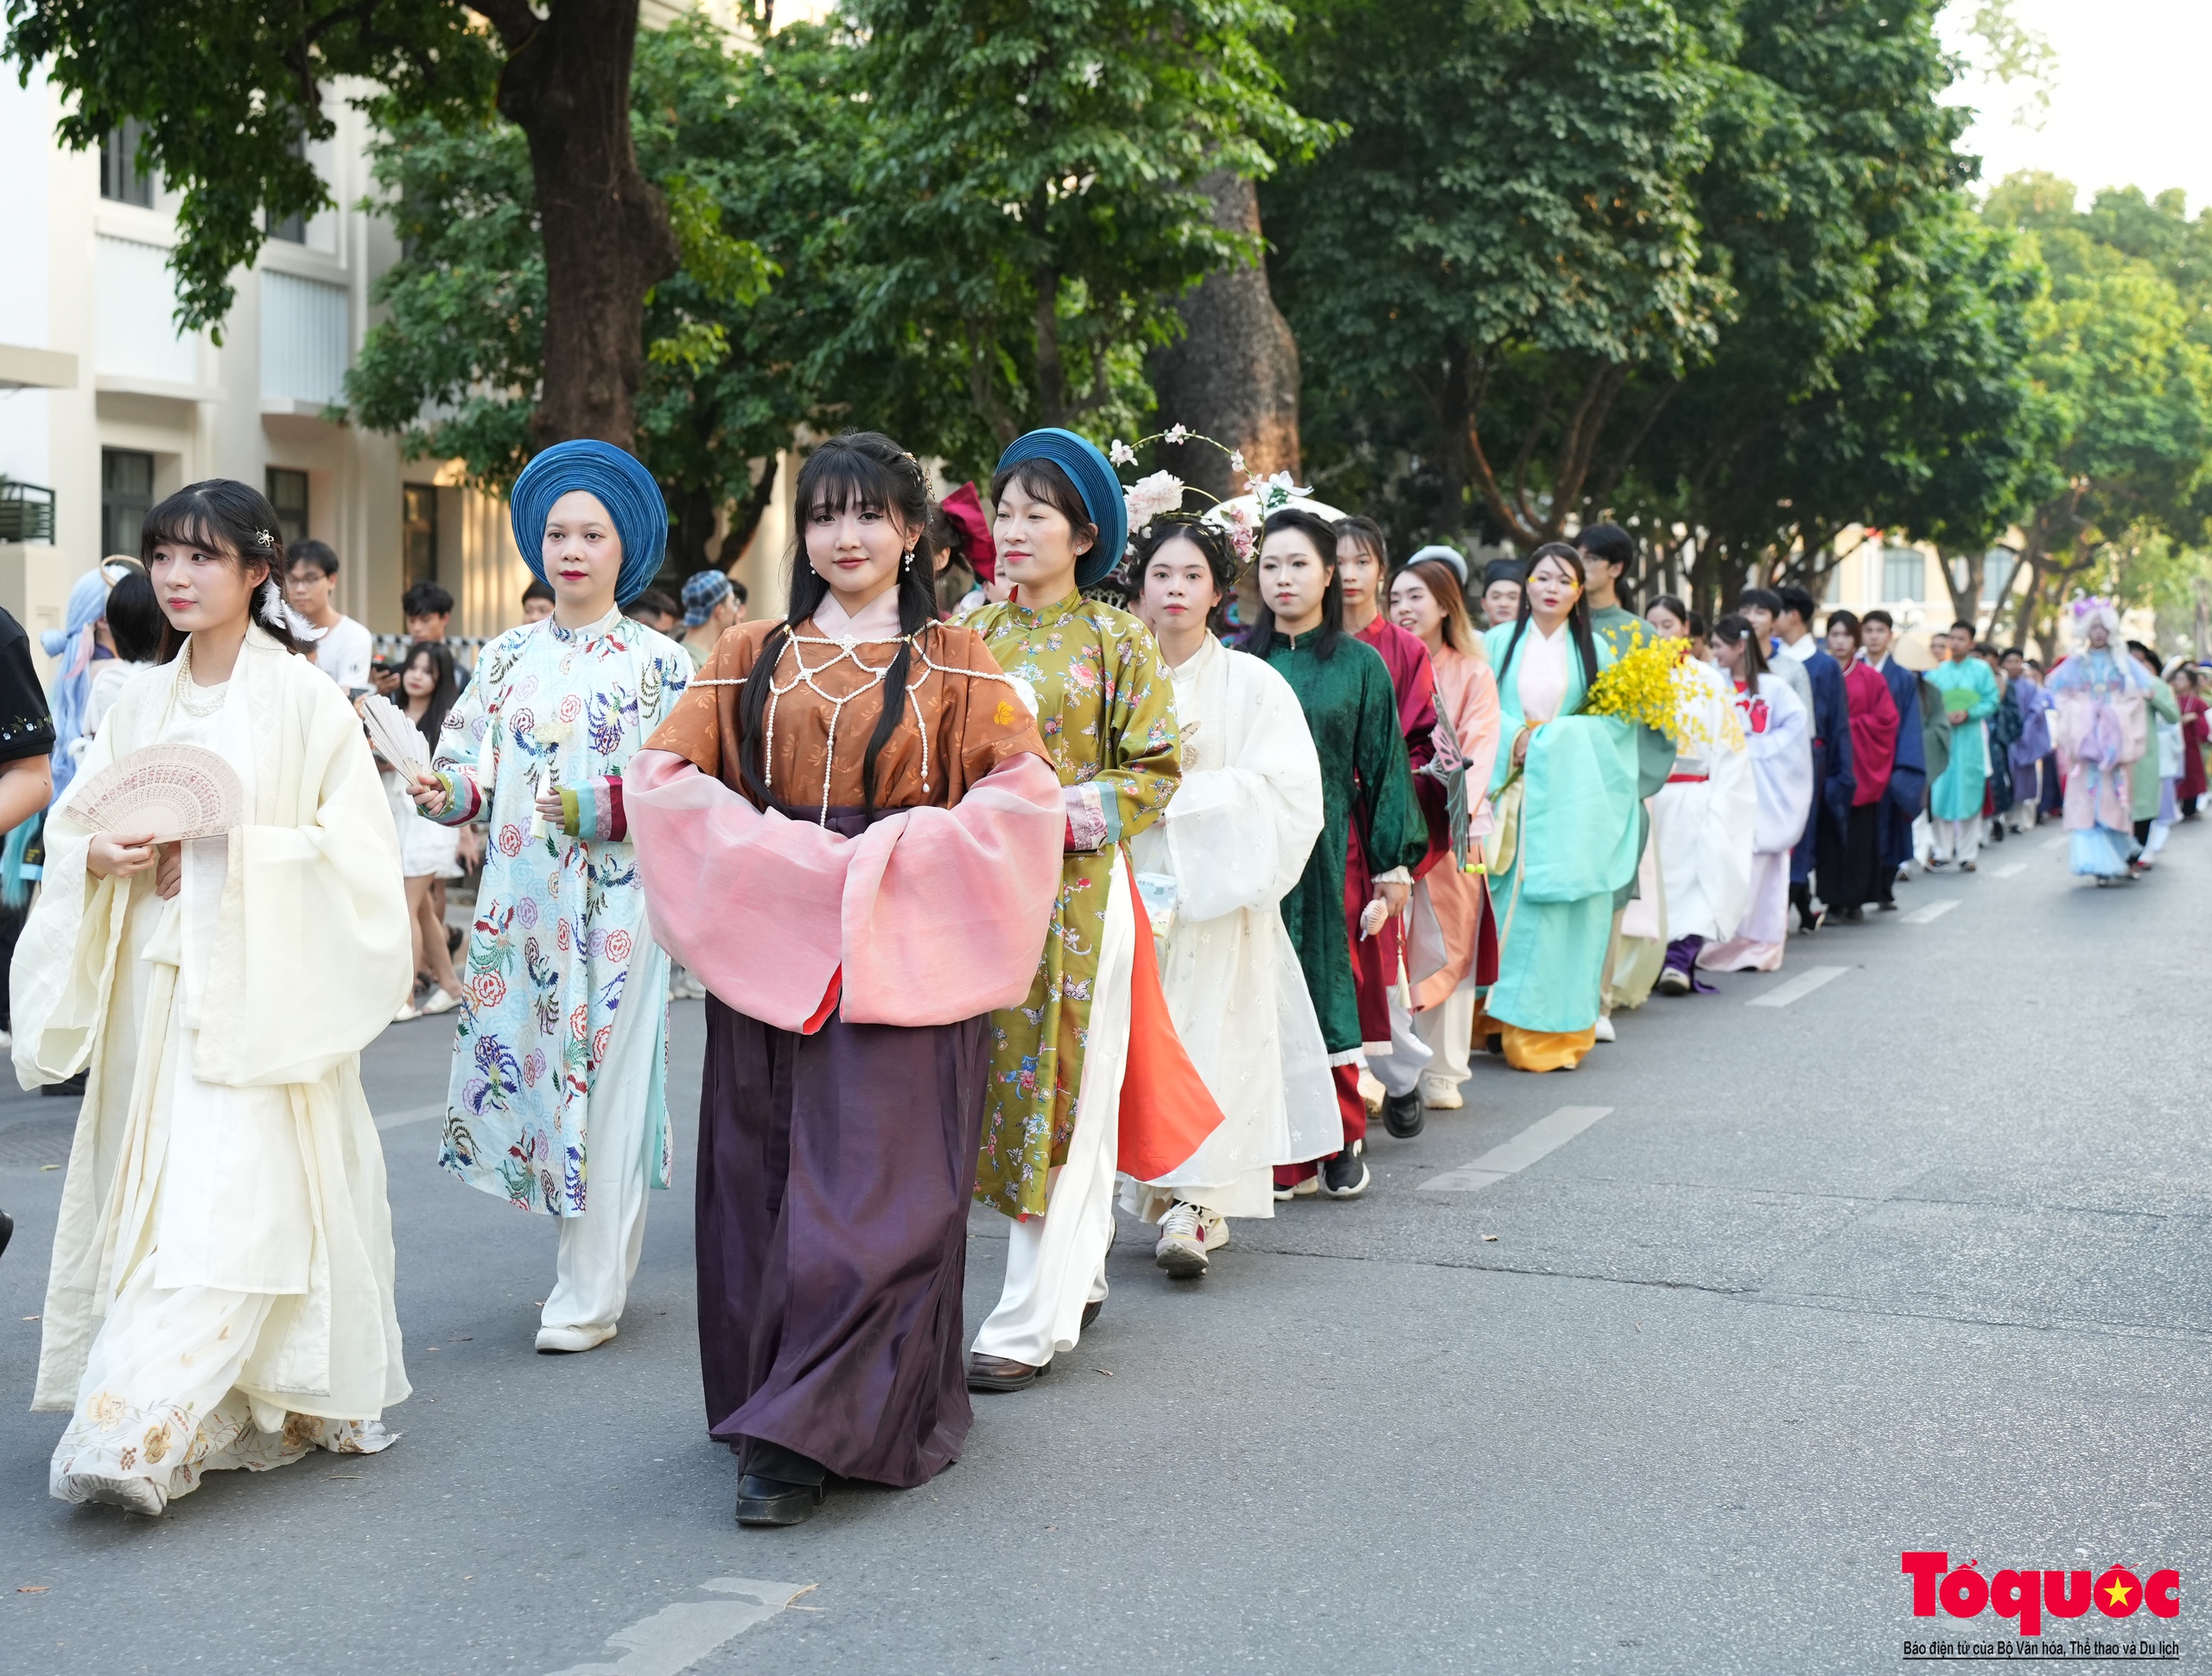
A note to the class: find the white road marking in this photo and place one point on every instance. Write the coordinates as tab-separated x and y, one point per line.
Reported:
1545	1134
412	1114
1799	987
678	1636
1934	910
2055	843
2010	870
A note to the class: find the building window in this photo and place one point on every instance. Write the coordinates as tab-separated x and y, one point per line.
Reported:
120	178
126	496
418	531
288	493
293	228
1904	574
303	339
1996	570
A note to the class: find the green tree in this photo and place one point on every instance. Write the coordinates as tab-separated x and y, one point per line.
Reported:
2123	353
1510	232
1032	194
228	92
743	346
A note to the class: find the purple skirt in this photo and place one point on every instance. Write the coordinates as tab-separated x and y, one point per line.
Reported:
834	1176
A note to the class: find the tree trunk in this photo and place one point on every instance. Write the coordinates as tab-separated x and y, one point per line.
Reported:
1234	374
566	85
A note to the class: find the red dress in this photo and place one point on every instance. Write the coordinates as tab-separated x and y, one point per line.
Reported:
1376	960
2196	734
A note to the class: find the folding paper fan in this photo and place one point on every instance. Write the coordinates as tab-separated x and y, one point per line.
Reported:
397	740
173	791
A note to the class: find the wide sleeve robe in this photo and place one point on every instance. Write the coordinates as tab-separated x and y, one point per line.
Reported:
311	954
1235	842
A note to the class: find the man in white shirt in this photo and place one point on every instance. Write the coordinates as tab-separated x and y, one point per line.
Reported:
346	649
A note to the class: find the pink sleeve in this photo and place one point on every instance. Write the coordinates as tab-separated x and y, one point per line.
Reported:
946	909
1478	726
930	916
749	901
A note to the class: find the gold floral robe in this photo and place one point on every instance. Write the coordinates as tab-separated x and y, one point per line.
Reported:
1106	711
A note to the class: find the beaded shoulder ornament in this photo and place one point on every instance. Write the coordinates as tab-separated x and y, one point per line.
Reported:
805	674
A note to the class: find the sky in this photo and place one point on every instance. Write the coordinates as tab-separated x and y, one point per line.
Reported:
2128	104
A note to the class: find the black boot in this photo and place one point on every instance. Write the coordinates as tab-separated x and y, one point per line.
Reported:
7	1231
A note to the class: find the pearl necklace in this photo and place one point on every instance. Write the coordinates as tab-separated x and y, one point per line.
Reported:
189	692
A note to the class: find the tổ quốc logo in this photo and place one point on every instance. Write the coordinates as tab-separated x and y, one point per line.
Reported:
2029	1594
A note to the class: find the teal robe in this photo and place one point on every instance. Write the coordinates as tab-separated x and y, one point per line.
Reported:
1579	842
1620	631
1963	684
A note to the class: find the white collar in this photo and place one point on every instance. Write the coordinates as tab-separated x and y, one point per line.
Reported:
876	620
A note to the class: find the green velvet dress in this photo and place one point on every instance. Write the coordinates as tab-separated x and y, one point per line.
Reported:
1106	711
1352	709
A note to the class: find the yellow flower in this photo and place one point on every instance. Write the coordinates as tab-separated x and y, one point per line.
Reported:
156	1442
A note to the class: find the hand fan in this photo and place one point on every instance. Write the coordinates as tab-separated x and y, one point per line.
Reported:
173	791
398	740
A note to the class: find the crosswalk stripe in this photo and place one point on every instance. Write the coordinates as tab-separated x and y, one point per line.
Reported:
1798	987
1545	1135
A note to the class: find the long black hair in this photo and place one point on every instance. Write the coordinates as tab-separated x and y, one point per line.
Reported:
134	618
1578	614
234	519
1736	629
444	694
1323	533
867	468
1211	540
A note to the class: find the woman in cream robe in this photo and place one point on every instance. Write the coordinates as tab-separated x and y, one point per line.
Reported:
221	1290
1231	846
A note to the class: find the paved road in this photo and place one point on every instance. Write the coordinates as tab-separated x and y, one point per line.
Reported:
1922	1259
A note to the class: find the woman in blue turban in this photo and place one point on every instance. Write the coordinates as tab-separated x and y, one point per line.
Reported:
556	1100
1106	710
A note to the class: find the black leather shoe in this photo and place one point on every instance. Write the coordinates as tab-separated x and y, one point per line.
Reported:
1090	1312
772	1501
1405	1115
7	1230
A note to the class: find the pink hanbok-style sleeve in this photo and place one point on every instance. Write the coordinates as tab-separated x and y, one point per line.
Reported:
930	916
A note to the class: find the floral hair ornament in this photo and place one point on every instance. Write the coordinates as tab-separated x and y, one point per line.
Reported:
1161	494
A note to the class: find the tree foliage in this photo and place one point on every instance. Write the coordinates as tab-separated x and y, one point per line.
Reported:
1032	196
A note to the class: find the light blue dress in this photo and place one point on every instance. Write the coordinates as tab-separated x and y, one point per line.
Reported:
560	949
1966	684
1578	843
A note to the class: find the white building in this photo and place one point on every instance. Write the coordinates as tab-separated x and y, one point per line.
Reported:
104	407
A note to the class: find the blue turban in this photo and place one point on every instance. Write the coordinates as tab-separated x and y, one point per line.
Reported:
626	489
1094	480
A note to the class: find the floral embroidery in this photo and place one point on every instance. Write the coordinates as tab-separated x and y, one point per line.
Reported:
559	918
1106	714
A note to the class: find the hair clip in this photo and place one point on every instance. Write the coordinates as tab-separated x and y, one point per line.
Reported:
265	538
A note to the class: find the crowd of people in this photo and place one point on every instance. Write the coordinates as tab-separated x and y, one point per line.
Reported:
1095	854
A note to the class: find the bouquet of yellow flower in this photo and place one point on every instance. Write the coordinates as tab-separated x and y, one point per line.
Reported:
1640	686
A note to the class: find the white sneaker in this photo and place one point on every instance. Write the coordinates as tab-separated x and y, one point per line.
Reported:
1187	1233
571	1341
437	1002
1604	1028
1441	1096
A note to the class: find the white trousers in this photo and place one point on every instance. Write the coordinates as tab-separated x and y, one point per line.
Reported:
1955	841
598	1249
1056	1263
1448	1032
1399	1070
